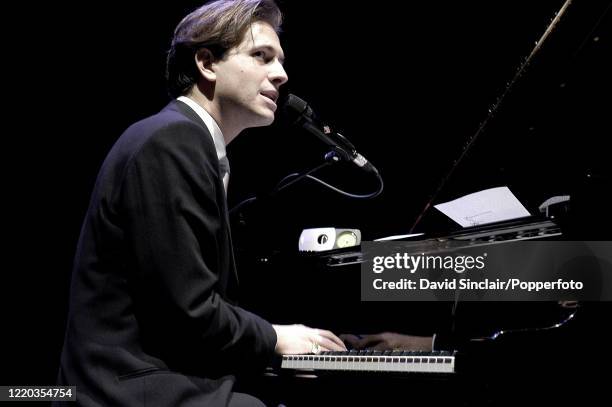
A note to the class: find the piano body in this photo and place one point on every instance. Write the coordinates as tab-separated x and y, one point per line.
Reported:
482	348
547	352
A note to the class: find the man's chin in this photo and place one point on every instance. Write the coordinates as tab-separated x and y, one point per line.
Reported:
266	118
260	118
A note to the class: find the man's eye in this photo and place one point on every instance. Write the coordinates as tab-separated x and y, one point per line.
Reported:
260	55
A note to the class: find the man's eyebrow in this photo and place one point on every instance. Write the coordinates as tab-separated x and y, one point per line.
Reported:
281	55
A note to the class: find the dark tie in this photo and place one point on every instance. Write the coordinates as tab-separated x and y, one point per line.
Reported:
225	171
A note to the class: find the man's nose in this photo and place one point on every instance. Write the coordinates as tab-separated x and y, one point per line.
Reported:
278	76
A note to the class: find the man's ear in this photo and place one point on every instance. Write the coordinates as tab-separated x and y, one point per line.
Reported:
204	60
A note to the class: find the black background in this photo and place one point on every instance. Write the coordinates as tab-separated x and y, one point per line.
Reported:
407	82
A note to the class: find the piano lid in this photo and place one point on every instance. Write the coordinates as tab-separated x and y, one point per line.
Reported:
546	133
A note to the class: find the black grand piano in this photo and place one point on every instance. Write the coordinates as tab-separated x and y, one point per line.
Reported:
544	137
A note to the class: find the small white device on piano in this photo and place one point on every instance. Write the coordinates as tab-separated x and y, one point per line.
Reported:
324	239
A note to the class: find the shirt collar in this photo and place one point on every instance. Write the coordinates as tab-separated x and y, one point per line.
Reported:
211	125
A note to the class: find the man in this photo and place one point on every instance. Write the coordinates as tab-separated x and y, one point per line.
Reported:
153	318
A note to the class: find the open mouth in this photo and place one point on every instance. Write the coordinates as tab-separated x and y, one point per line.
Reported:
273	96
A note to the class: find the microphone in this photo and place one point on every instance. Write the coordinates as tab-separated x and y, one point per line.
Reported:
299	113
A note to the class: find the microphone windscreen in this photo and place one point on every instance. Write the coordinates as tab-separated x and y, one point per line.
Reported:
294	108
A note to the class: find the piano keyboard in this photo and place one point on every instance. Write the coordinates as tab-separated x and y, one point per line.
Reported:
374	361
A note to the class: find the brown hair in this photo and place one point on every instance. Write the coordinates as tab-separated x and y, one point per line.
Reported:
217	26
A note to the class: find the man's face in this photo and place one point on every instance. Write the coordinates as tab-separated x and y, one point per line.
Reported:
248	79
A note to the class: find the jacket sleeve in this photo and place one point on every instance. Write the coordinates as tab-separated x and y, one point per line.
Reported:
178	234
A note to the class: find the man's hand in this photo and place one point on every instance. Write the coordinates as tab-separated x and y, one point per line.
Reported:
300	339
387	341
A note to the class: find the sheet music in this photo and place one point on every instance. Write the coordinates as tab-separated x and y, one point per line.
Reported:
486	206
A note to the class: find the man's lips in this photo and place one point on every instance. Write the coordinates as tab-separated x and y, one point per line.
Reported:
272	95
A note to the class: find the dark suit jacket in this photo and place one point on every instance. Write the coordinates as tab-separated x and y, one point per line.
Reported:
153	319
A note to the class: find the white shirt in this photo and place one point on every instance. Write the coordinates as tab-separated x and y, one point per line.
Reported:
216	134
